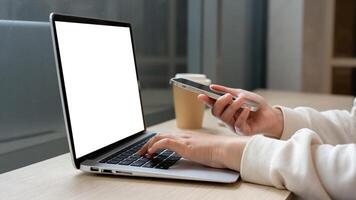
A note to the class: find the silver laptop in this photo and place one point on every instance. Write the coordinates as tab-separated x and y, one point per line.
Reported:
102	105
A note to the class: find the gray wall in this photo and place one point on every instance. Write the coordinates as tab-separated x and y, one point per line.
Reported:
228	41
243	35
285	45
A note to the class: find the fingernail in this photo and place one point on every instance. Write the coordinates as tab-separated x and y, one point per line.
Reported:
237	129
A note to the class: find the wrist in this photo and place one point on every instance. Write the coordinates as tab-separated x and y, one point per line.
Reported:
233	151
278	123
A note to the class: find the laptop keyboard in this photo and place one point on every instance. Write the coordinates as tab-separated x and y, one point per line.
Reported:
162	159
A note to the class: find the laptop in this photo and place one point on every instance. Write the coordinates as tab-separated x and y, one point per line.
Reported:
102	106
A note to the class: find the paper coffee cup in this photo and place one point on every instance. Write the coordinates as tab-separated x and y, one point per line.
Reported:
188	109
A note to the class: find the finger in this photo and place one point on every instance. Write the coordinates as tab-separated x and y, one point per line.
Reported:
220	104
207	100
229	113
237	92
168	143
252	97
144	148
150	142
237	114
220	88
241	120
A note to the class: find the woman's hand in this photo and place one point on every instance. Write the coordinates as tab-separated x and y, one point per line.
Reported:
219	151
266	120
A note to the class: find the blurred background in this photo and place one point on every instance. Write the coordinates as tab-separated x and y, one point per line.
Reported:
296	45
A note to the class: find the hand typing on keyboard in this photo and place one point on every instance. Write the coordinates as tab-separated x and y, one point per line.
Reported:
161	159
220	151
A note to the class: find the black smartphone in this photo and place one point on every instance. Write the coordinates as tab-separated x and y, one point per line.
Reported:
205	89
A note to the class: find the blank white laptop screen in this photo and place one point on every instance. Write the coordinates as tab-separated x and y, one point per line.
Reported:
101	85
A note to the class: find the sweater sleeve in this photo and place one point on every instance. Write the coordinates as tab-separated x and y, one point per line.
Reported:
333	127
302	164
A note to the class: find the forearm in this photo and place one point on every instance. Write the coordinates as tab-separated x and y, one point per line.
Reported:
302	164
334	127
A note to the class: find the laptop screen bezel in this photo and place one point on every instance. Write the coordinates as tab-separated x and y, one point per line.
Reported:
54	17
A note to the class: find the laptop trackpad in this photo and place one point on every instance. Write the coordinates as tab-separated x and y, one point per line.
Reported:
191	169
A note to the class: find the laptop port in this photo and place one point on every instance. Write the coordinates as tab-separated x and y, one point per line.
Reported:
94	169
106	171
123	173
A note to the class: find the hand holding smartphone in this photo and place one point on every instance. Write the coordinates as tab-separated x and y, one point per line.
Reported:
204	89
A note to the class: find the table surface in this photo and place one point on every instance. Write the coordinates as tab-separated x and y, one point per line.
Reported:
57	179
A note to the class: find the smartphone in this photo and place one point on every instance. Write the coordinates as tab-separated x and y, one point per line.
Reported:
205	89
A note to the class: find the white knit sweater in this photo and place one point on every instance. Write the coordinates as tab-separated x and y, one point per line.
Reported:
315	158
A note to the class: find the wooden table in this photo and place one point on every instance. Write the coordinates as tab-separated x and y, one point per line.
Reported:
57	179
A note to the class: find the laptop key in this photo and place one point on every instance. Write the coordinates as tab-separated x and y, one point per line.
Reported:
121	157
113	161
144	159
169	151
161	157
130	159
150	164
135	156
126	162
107	159
157	159
138	163
166	153
159	151
162	166
131	151
175	156
126	153
118	159
170	162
